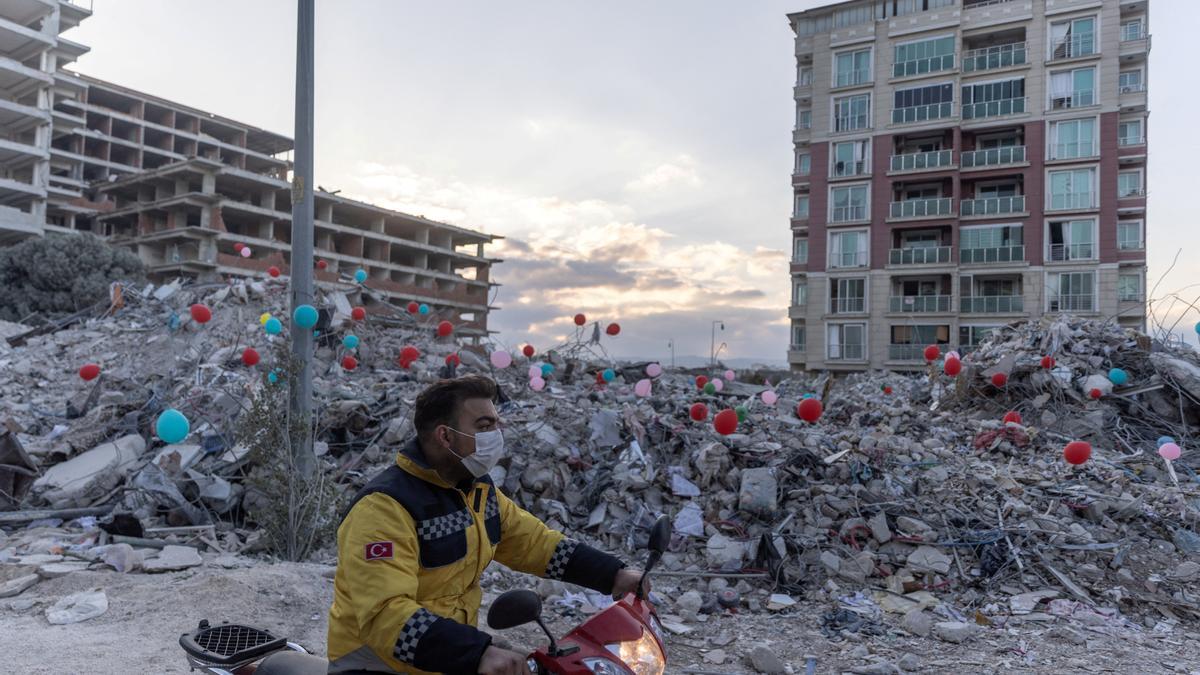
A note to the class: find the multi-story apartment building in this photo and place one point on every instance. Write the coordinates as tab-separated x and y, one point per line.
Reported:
182	187
960	165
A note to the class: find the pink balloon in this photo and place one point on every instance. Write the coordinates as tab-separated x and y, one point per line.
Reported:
246	253
642	388
501	359
535	371
537	384
730	375
769	397
654	370
718	384
1170	451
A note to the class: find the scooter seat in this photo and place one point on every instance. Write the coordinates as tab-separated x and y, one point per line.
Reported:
292	663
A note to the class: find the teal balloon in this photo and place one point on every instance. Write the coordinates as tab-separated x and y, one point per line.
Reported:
1198	326
350	342
1118	376
806	396
172	426
547	369
273	326
272	377
424	309
360	276
609	375
305	316
1163	440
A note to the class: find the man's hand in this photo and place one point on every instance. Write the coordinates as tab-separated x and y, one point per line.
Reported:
496	661
627	581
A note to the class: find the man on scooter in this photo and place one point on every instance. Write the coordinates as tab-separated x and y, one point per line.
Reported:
416	539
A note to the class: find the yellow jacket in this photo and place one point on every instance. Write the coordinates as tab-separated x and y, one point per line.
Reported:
411	550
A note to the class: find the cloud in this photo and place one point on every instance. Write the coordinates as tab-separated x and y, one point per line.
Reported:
678	173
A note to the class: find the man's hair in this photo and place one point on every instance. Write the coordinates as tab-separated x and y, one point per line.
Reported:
440	402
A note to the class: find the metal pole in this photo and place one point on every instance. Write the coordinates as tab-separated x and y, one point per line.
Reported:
302	236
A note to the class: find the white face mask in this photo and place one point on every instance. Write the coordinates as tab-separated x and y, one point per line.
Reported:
489	448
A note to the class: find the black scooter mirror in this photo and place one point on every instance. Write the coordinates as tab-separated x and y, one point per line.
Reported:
660	535
514	608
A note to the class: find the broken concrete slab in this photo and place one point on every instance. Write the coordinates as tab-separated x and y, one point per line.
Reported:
17	586
759	491
173	558
78	607
82	479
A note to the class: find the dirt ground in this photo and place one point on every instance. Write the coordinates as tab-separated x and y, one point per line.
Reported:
147	614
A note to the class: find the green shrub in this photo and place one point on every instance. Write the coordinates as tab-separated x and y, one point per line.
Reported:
60	274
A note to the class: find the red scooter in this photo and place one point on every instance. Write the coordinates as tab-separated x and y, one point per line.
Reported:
623	639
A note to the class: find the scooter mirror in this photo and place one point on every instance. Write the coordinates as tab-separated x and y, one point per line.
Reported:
514	608
660	535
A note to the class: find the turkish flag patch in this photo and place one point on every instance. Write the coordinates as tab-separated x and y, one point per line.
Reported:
379	550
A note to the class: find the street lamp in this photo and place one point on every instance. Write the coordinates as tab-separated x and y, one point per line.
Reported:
712	350
671	344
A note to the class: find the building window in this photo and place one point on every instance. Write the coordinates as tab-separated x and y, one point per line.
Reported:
919	104
1072	240
925	56
1071	39
1072	189
800	294
849	158
803	164
848	249
848	203
1070	292
846	342
798	338
804	77
1130	81
1132	30
1129	132
800	208
1072	139
800	250
1129	184
969	337
803	119
847	296
991	244
1073	88
992	99
1129	235
1129	287
852	68
852	112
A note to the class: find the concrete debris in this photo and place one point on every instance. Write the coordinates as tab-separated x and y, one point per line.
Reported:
763	660
16	586
78	607
173	558
955	631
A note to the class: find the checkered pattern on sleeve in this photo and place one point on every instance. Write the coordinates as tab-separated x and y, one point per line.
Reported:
493	505
412	632
557	566
436	528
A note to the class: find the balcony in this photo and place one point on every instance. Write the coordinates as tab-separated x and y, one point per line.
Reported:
997	108
848	214
797	311
1130	141
922	208
849	169
990	255
1073	150
1072	303
848	259
928	255
919	304
992	157
922	113
992	58
992	304
1072	201
906	352
1073	47
993	206
847	352
850	305
1076	99
1134	41
1134	88
923	161
1072	252
930	64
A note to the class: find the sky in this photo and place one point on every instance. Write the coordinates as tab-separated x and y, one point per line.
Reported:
635	156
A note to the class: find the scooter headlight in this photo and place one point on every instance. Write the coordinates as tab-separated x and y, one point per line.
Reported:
642	657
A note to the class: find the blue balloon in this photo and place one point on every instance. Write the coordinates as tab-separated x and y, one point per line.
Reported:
350	342
360	276
424	309
316	333
609	375
1118	376
547	369
172	426
272	326
305	316
1163	440
1198	326
806	396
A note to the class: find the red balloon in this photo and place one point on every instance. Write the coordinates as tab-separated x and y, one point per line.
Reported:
404	363
349	362
321	264
725	422
273	271
1095	394
410	353
1077	452
413	308
932	353
1047	362
250	356
528	351
200	313
600	379
89	372
952	367
445	328
613	329
699	412
1012	416
809	410
239	246
701	381
453	360
999	379
358	314
887	390
580	319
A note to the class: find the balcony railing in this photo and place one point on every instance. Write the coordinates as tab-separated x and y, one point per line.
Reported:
846	214
1067	252
1133	88
991	206
925	255
1076	99
972	4
847	305
1072	46
918	161
1009	154
852	77
992	304
1072	201
919	304
846	352
848	259
907	352
922	208
1133	32
992	254
997	108
1072	303
1073	150
1125	141
922	113
929	64
999	56
852	122
844	169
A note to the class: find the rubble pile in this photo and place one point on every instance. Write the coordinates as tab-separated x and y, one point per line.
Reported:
908	504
